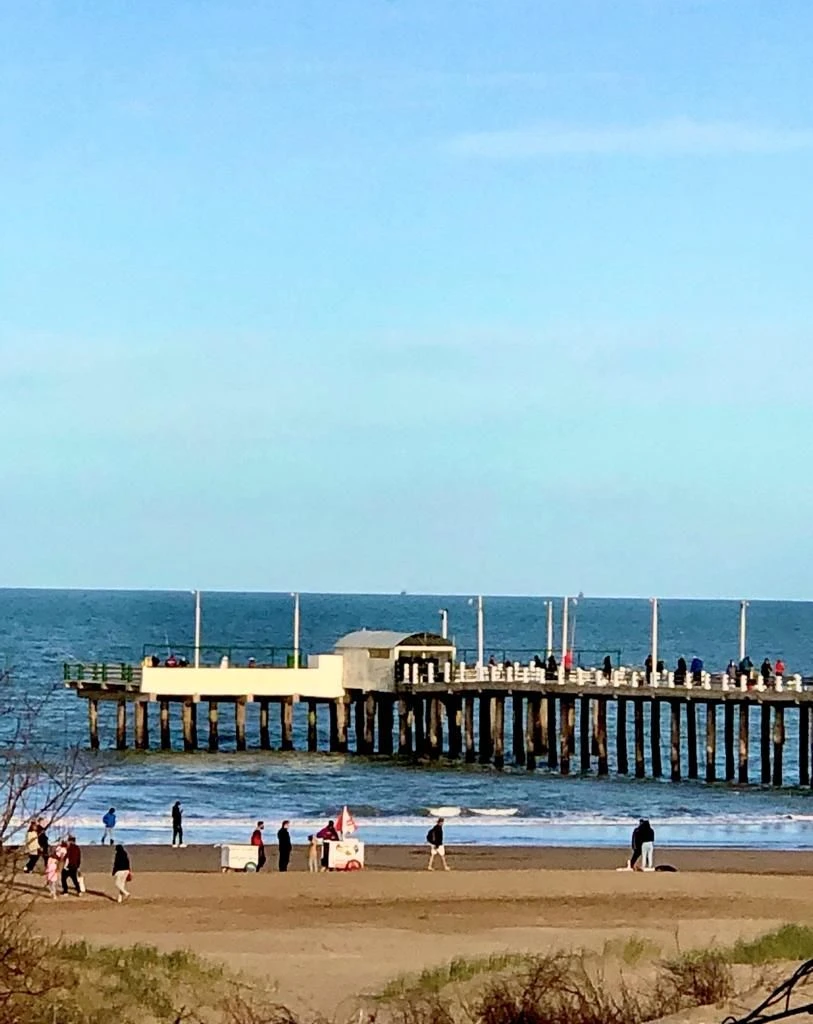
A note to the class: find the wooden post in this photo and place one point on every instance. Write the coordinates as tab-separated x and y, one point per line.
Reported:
778	742
313	731
213	735
499	732
638	721
369	723
728	738
166	736
568	713
385	715
674	746
404	728
765	743
454	716
486	745
655	738
188	740
622	765
240	723
286	721
93	722
601	736
342	715
541	729
265	732
468	729
194	725
121	725
551	739
518	731
711	741
419	725
531	724
434	728
742	776
140	717
691	738
358	722
584	735
804	745
594	718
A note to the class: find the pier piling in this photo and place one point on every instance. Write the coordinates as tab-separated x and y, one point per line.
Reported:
551	739
584	735
434	727
340	705
404	728
742	773
674	746
454	718
765	743
313	732
386	708
265	732
121	725
240	723
186	722
655	738
531	725
468	729
93	723
163	720
518	730
486	746
778	743
804	745
369	723
601	736
728	740
691	739
286	711
711	741
213	727
499	732
621	757
638	728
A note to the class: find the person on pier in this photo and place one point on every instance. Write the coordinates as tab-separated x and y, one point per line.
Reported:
779	668
607	668
766	671
697	669
552	670
680	671
648	670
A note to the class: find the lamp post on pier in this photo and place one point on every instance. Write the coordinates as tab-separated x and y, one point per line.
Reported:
654	652
444	622
295	596
549	646
743	616
197	629
478	601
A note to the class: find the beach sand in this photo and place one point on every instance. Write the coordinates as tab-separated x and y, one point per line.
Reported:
326	939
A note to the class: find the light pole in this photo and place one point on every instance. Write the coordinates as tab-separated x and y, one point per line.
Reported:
549	647
565	607
480	634
296	629
197	629
444	623
654	652
743	615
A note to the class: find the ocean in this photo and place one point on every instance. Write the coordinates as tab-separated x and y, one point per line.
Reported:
224	794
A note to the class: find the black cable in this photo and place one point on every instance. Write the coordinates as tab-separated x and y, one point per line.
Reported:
781	995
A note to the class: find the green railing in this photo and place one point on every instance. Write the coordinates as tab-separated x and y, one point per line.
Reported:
239	655
97	672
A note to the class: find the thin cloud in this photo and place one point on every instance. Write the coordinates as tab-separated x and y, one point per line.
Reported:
674	138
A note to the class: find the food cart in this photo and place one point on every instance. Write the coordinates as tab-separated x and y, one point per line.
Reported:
345	854
238	857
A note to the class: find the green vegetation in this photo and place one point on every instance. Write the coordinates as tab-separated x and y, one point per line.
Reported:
790	942
461	969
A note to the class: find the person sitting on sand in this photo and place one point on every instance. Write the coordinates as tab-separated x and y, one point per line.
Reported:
436	848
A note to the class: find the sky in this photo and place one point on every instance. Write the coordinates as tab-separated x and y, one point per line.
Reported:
500	296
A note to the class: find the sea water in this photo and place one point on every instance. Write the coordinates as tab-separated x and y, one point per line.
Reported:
225	793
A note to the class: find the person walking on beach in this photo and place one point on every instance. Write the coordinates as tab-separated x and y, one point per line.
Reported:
122	873
643	846
32	847
52	867
70	867
284	840
177	825
313	855
436	848
257	840
109	822
42	839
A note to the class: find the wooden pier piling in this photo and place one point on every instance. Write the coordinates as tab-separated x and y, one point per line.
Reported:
765	743
468	729
584	735
342	715
551	739
369	723
419	726
638	728
621	757
655	738
313	731
286	721
186	723
240	723
517	730
404	728
531	726
121	725
711	741
163	720
265	732
601	736
142	740
778	743
454	718
742	771
213	735
674	744
485	748
499	732
728	740
568	713
691	739
386	709
93	723
433	728
804	745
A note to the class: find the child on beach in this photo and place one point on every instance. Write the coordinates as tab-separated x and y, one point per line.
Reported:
313	855
53	867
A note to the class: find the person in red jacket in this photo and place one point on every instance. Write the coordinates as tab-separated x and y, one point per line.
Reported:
328	835
70	867
257	840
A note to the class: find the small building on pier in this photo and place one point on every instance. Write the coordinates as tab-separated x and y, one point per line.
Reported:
380	659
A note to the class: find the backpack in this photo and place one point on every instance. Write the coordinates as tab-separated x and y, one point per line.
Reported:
430	835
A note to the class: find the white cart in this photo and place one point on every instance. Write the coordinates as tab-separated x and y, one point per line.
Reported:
345	855
238	857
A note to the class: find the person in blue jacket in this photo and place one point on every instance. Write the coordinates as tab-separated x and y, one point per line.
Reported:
109	822
696	669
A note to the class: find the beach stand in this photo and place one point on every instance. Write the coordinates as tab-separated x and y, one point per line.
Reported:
345	853
238	857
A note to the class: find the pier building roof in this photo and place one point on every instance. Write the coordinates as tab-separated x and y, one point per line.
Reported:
387	639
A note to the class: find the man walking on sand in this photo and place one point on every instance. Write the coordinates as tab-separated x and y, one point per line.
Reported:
284	840
109	822
70	867
436	848
177	825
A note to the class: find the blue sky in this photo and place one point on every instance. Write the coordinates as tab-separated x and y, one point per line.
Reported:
507	296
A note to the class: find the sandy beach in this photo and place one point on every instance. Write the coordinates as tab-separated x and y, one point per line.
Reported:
326	939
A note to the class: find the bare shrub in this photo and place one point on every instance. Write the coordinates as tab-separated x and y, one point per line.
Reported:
700	978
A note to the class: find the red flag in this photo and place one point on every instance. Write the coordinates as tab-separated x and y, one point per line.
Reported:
345	825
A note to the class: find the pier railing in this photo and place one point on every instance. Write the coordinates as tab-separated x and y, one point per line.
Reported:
211	655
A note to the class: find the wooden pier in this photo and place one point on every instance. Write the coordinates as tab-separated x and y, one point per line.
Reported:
576	725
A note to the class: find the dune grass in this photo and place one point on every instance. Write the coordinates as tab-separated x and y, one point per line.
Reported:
461	969
790	942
